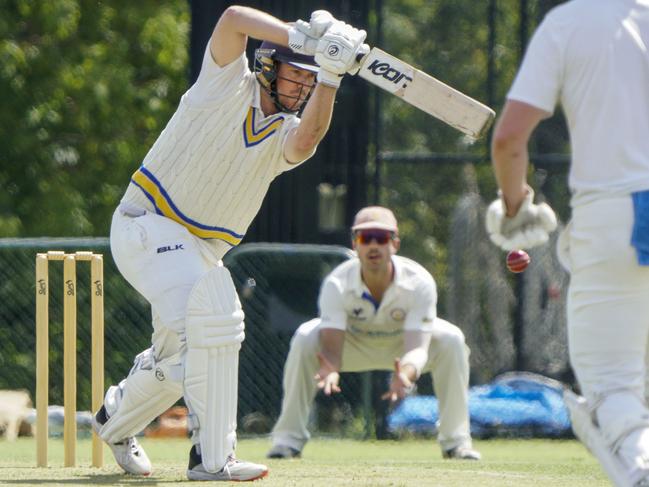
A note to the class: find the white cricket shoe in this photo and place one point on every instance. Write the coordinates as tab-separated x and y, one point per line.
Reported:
234	470
462	453
128	453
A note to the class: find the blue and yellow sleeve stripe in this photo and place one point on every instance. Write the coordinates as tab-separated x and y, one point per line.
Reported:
252	137
163	204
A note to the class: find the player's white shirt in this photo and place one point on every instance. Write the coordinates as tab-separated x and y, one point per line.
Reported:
211	167
599	70
409	303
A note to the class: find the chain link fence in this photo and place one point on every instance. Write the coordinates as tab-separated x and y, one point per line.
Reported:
278	285
127	317
510	322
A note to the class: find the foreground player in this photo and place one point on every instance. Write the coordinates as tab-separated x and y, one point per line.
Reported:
193	198
592	55
373	309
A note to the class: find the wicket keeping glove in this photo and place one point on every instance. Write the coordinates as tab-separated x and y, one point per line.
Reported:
303	36
530	226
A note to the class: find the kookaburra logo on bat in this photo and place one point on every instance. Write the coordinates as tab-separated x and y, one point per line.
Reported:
381	68
425	92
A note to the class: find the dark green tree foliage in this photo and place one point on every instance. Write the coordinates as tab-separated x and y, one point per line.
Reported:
86	88
450	41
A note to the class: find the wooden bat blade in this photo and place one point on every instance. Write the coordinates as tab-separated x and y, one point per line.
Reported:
426	93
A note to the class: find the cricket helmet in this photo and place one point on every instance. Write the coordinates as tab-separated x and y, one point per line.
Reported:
267	59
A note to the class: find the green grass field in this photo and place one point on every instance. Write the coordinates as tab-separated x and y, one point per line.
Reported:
330	463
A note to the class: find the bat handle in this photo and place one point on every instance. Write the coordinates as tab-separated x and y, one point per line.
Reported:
362	53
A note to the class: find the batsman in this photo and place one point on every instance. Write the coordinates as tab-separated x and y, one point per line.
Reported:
195	194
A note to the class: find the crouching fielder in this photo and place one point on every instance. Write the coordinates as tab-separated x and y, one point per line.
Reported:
193	198
593	57
372	309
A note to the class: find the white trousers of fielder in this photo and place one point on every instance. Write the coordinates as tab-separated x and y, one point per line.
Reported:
448	362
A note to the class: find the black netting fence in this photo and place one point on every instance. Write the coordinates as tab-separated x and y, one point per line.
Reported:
126	314
511	322
278	285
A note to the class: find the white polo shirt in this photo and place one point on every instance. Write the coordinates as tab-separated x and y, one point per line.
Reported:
211	167
409	303
599	71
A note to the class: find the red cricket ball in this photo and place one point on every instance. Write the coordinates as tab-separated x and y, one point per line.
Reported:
517	261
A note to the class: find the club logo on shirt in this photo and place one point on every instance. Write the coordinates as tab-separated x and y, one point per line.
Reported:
398	314
360	311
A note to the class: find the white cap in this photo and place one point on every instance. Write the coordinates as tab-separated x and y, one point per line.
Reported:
375	217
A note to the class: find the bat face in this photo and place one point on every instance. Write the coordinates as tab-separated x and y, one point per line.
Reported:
426	93
386	71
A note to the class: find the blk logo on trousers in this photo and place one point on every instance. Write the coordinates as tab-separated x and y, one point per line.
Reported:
169	248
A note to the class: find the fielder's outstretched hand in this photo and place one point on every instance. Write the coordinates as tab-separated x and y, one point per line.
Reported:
400	385
327	376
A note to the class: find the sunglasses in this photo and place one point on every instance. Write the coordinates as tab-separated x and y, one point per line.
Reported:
380	236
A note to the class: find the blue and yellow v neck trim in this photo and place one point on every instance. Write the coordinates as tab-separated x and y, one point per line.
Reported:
251	136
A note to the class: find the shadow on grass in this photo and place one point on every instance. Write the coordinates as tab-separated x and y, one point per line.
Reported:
106	479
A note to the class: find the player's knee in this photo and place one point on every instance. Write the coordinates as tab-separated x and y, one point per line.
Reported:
145	377
214	314
453	342
305	339
150	388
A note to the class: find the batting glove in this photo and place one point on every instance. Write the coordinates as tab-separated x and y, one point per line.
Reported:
303	36
530	226
363	51
337	51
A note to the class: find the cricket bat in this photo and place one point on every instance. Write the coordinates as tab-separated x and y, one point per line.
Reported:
426	93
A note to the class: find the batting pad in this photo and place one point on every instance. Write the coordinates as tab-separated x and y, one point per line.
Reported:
214	330
148	391
592	438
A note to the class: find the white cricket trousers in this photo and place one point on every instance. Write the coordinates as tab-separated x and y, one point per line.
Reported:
608	317
162	261
448	362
